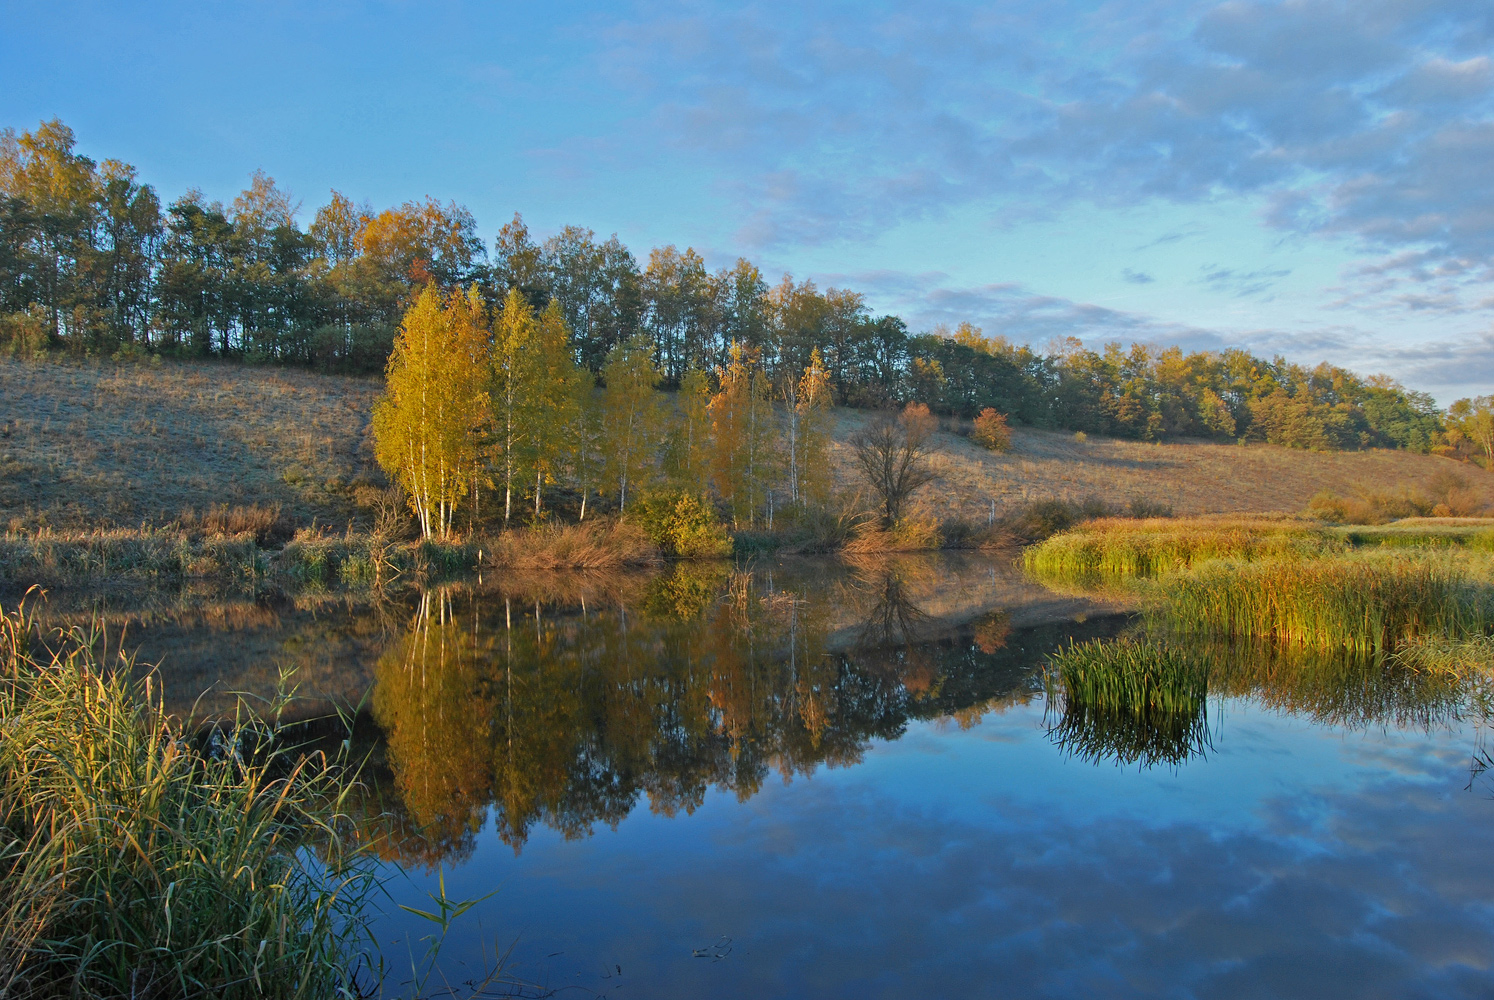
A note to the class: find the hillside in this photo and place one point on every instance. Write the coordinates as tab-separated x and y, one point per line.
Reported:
93	443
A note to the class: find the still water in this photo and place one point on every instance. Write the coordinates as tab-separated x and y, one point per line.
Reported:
831	779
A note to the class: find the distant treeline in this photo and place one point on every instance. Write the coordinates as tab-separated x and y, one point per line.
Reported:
91	262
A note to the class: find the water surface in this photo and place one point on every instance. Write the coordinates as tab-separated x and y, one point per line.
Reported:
841	779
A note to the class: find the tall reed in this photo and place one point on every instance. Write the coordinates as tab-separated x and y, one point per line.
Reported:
1362	602
1131	700
1117	550
135	861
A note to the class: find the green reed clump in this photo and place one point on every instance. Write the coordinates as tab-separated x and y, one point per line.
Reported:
1361	602
136	862
1117	550
1132	700
1132	675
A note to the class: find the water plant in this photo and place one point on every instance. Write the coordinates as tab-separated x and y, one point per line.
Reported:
1361	602
1134	675
136	860
1117	549
1133	700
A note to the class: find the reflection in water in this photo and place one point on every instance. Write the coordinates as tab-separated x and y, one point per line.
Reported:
1148	739
1330	688
566	713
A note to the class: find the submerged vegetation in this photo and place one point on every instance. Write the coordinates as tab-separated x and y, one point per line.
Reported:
137	860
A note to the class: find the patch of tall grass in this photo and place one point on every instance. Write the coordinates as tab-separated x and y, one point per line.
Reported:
1418	533
1360	602
1116	550
1131	700
137	862
66	558
589	545
1132	675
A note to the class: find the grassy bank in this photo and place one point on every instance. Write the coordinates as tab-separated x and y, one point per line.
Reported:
137	861
1117	550
160	555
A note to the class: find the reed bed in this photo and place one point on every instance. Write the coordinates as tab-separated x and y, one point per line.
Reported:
1118	550
78	557
1132	675
1477	536
136	861
1362	602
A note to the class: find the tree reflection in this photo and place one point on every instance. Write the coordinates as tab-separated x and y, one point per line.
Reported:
566	713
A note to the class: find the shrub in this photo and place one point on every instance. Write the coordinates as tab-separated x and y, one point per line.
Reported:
991	431
683	524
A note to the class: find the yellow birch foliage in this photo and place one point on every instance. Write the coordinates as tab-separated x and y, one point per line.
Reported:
630	418
809	441
551	397
692	432
426	424
513	356
742	432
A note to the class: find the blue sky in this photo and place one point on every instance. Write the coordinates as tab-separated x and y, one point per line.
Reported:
1306	177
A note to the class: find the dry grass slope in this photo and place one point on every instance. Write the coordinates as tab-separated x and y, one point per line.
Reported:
97	444
100	444
1192	478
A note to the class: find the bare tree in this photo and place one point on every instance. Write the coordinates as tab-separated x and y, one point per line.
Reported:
892	455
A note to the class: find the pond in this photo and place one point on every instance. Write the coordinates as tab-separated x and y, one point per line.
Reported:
849	779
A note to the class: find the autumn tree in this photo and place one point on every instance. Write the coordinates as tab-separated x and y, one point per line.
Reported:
807	429
552	398
512	358
689	458
892	455
743	435
990	431
426	423
630	417
1472	420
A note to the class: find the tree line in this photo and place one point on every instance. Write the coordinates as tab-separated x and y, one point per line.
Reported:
481	398
92	262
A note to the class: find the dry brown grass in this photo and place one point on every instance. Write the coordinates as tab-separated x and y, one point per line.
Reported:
96	443
103	444
592	545
1192	478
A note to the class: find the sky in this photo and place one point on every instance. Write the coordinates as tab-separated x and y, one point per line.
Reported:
1308	178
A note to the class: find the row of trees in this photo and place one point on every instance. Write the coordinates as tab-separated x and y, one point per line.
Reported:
90	261
481	399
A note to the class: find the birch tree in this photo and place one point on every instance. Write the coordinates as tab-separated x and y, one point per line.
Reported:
426	423
630	417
